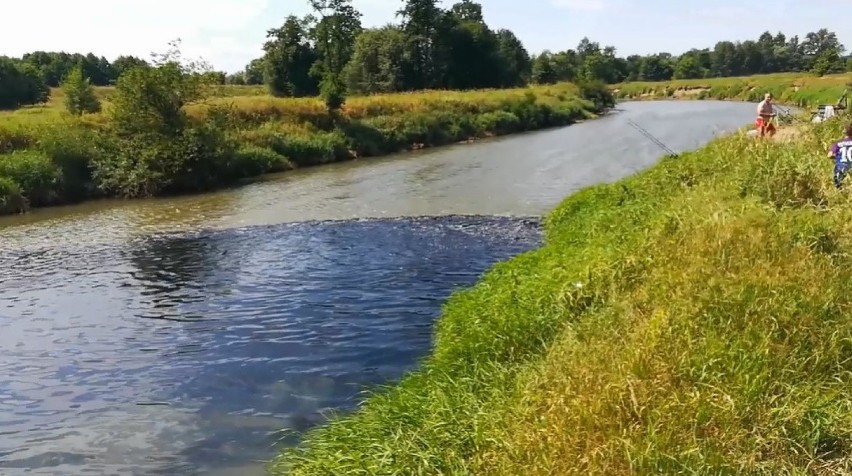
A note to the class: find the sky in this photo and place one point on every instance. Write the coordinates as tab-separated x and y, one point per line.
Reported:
230	33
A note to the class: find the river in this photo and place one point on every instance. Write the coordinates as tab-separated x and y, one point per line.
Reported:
177	336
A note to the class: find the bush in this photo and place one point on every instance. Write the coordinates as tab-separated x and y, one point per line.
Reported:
11	199
79	94
252	160
302	149
35	174
74	148
599	94
498	122
151	164
14	138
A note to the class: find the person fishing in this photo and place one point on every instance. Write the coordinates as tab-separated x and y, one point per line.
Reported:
765	113
841	153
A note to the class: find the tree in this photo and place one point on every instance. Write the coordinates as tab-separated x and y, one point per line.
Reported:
468	10
151	100
378	62
542	69
473	59
515	60
688	67
726	60
21	84
422	23
288	60
253	73
155	147
656	68
237	79
122	64
334	36
602	66
828	62
79	94
820	41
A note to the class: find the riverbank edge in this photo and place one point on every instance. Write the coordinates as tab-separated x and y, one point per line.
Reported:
801	91
262	151
490	333
703	94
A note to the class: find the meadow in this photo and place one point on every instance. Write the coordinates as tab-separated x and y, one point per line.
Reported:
794	89
49	157
690	319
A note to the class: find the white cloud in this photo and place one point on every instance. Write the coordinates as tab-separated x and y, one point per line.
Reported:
581	5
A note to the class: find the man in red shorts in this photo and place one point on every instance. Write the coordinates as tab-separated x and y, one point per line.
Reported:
765	114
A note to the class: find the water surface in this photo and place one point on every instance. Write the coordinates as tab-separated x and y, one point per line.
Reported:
176	336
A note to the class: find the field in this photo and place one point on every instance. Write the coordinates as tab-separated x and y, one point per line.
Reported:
788	88
49	157
690	319
54	109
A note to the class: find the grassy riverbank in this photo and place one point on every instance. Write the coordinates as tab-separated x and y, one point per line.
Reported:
692	319
48	157
797	89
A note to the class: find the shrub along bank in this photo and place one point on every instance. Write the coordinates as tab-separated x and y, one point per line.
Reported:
160	134
797	89
693	318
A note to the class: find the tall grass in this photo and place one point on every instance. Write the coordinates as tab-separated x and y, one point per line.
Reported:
691	319
260	134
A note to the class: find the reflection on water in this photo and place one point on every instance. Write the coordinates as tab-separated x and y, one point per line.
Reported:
180	353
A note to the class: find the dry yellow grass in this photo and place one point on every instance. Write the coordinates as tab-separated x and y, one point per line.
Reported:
252	104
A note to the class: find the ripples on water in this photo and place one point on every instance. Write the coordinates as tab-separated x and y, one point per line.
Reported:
175	354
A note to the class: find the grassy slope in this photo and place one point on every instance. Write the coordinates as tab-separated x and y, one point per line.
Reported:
274	134
789	88
689	319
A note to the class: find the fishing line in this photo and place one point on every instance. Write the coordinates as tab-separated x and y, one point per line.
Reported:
651	137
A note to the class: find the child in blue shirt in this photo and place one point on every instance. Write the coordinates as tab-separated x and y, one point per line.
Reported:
841	153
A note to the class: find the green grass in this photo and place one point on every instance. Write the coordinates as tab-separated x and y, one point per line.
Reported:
690	319
259	134
798	89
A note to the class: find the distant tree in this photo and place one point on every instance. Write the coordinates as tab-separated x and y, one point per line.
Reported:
516	62
21	84
542	69
288	59
253	73
688	67
378	61
828	62
79	94
423	23
124	63
152	99
237	79
656	68
334	37
329	53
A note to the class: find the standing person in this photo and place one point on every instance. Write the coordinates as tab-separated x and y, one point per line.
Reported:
765	114
841	153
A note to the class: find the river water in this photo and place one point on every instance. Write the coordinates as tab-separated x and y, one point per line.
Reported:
178	336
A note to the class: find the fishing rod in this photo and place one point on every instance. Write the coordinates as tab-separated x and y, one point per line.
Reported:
651	138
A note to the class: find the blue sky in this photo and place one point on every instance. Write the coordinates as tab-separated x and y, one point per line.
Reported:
229	33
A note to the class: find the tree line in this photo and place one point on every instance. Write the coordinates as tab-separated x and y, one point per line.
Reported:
454	48
329	52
